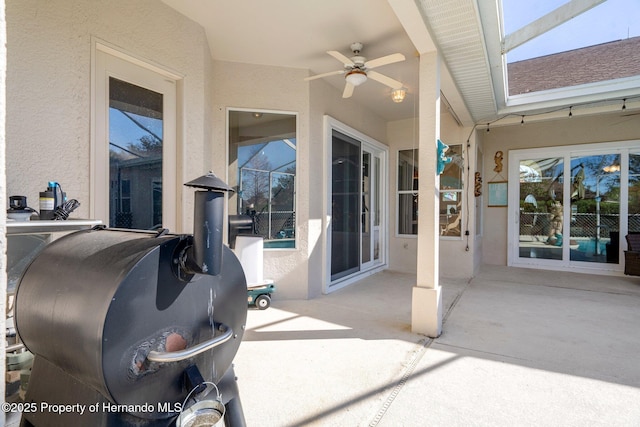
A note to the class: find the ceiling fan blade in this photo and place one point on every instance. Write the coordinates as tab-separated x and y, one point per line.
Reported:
348	90
340	57
381	78
319	76
389	59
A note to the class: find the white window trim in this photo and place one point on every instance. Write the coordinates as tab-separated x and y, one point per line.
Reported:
107	61
460	191
397	198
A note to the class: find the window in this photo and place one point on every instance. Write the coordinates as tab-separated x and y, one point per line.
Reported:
262	169
407	187
451	194
134	152
125	195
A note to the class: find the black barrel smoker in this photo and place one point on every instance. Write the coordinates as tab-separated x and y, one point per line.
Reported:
134	328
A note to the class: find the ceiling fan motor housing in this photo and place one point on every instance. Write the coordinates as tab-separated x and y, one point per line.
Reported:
359	61
356	47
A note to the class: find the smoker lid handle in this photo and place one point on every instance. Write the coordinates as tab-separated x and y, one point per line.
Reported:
176	356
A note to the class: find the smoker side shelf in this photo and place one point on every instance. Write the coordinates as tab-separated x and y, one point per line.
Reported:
49	226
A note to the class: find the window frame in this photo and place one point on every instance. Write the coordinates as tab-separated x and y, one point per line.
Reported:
460	198
399	192
108	62
229	110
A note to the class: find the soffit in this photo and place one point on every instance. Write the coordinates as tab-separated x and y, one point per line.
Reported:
458	33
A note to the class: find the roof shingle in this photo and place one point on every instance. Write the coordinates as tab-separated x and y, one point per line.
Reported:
590	64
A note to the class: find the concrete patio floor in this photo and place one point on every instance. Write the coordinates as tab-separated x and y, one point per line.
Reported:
519	348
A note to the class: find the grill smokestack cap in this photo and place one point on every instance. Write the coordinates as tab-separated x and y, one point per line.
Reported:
209	182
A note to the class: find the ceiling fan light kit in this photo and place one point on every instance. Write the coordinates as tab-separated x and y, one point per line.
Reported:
356	70
356	77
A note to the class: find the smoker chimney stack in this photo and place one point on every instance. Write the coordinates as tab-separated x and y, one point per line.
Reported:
205	256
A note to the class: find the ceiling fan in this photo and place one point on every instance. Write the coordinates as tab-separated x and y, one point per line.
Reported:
357	69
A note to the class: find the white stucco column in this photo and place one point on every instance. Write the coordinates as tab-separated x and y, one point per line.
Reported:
426	307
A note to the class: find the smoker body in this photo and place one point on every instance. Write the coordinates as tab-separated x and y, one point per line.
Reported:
96	305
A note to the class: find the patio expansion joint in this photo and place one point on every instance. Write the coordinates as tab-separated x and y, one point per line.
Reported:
417	355
455	301
424	344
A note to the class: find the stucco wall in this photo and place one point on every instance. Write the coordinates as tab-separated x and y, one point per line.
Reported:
258	87
402	135
297	272
566	131
455	260
49	86
327	100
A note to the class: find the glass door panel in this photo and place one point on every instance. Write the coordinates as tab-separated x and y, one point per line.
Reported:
346	208
377	196
135	156
366	206
634	193
595	208
541	208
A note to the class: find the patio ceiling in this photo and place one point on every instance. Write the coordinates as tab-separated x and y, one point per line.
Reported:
297	34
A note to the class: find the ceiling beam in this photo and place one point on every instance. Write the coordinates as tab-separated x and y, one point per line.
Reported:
549	21
414	24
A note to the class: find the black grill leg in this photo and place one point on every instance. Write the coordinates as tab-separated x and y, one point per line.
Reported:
234	416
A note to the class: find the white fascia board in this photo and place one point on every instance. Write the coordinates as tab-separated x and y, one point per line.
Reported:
574	95
490	15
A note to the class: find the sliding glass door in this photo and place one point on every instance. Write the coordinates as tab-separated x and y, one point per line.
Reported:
356	206
569	206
